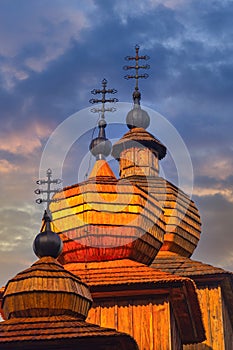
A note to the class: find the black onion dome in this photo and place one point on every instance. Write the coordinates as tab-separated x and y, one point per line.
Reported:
47	243
101	146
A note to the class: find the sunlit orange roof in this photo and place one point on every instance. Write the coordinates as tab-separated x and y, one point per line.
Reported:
104	219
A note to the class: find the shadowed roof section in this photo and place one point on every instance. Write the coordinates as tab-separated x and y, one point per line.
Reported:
116	278
182	219
183	266
138	137
60	332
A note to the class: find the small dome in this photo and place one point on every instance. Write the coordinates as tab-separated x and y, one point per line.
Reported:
137	118
100	146
47	243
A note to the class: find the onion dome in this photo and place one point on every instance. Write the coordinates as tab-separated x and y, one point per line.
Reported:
47	243
100	147
106	219
137	118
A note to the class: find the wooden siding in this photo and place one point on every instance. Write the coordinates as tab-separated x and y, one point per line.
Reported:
210	299
147	320
228	332
175	335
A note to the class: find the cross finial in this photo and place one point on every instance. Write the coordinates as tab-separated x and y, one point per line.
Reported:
48	191
100	147
104	91
137	76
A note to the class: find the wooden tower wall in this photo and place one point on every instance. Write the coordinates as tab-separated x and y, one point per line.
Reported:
150	321
216	320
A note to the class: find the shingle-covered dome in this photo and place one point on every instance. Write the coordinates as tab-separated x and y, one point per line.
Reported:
46	289
106	219
182	219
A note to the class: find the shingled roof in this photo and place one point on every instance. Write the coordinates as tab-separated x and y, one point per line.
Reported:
59	331
105	219
183	266
138	137
46	307
117	278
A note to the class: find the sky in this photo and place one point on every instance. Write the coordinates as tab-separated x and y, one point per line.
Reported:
53	53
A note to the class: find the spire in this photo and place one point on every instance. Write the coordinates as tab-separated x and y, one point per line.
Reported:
137	117
137	76
101	147
48	191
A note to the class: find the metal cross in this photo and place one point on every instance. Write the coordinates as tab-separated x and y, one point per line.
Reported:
104	91
48	191
137	66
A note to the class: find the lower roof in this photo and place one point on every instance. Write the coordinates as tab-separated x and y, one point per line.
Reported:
61	332
127	278
183	266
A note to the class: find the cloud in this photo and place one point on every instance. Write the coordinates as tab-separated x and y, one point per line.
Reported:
128	10
32	23
216	241
26	141
7	167
19	226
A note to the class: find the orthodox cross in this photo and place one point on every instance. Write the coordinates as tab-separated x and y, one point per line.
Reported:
104	91
136	58
48	191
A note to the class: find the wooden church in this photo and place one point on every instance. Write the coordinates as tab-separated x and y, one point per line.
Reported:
124	278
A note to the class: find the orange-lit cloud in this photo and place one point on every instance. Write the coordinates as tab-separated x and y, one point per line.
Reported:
24	142
216	166
7	167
